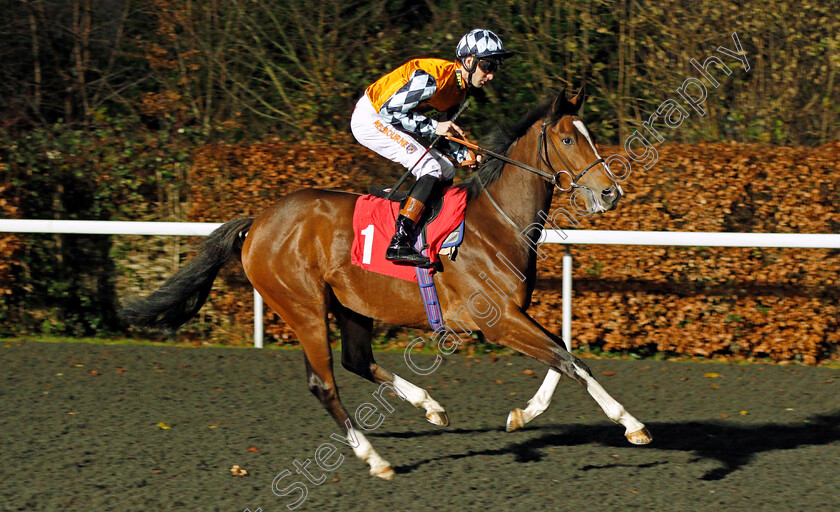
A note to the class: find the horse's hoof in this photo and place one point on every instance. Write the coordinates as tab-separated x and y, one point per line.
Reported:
385	473
515	420
440	419
639	437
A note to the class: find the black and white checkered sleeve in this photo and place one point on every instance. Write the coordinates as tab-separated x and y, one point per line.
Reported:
397	110
455	150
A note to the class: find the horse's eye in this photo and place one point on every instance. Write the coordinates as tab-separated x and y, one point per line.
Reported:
568	141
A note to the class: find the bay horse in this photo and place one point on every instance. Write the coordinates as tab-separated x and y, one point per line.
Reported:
297	255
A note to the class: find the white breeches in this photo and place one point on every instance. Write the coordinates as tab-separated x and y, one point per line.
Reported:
373	132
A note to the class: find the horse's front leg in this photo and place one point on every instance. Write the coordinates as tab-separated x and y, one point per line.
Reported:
520	332
635	431
537	405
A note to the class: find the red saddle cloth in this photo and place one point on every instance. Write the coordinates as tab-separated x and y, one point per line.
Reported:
373	227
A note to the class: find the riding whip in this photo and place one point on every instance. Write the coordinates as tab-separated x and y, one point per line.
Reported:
434	142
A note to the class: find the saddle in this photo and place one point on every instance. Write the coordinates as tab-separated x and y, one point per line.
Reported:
432	209
373	225
440	232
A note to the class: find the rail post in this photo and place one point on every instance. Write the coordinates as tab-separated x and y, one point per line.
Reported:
567	299
258	319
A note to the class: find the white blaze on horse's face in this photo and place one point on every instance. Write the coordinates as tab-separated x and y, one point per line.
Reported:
598	180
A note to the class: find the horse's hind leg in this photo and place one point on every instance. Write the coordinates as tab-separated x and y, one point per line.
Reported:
357	357
310	323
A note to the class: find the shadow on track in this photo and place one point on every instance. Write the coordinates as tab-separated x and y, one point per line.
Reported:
734	446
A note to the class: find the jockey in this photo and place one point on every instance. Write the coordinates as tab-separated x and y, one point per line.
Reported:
395	119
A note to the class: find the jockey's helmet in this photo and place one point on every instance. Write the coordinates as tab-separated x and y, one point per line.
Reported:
481	43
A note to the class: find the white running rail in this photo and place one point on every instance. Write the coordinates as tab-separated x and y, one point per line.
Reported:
568	237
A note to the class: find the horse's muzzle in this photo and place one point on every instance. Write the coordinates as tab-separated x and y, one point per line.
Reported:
611	196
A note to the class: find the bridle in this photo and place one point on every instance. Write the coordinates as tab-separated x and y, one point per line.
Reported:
542	149
543	141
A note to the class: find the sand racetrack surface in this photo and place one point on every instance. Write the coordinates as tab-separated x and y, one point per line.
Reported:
120	427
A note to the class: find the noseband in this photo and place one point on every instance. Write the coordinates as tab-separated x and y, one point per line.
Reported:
542	149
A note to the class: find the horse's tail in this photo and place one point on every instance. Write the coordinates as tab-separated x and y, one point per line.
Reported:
179	299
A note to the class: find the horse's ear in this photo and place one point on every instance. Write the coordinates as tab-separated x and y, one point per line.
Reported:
579	98
562	105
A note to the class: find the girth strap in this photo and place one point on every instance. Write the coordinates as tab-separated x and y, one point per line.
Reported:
427	290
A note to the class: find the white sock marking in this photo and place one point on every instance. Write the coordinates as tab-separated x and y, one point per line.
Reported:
542	398
416	396
614	410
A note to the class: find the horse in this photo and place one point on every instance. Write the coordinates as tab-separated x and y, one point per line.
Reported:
297	256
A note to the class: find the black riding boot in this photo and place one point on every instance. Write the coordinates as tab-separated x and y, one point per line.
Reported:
401	249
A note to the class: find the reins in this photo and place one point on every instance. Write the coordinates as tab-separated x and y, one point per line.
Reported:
542	149
503	158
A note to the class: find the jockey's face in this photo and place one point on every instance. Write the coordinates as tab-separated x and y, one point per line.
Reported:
485	70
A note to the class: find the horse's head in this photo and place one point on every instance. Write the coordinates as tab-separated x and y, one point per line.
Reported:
567	148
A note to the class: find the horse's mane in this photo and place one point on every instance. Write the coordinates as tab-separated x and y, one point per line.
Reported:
500	141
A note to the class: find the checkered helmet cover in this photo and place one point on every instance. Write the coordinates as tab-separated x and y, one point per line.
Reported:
481	43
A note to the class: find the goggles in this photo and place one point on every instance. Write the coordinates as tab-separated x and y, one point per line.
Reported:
489	65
